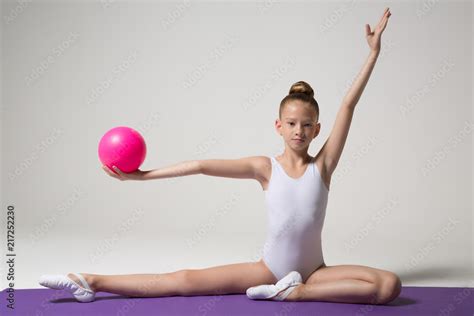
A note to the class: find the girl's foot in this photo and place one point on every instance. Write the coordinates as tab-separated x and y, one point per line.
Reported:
277	292
74	283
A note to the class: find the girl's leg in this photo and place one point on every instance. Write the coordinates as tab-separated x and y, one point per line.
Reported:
226	279
342	291
349	284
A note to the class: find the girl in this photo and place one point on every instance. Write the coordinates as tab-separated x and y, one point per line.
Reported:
296	187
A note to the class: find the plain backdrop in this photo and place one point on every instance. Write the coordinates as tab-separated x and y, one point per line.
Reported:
204	80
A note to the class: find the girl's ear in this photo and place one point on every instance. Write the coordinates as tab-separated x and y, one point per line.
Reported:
278	125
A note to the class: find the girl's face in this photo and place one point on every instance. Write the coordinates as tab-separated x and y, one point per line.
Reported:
298	125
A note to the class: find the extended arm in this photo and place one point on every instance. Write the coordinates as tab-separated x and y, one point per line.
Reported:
177	170
246	168
332	148
184	168
230	168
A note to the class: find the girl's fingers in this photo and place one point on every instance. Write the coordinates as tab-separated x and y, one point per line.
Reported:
385	16
106	169
120	173
109	172
383	22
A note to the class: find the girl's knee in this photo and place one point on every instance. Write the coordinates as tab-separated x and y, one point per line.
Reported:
389	288
183	281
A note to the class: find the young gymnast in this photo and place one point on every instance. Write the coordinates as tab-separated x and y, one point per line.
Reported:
296	187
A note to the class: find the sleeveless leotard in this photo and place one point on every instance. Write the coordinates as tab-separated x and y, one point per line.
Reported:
296	209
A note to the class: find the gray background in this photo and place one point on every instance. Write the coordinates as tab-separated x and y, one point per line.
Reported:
203	80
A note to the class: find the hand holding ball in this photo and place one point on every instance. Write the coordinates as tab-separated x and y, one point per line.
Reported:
122	147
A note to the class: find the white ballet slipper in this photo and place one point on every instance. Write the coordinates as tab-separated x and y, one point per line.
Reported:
278	291
294	277
83	293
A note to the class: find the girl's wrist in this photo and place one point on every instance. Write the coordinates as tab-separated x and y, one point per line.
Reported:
374	52
143	176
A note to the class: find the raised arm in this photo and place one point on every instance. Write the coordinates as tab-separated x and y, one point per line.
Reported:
332	148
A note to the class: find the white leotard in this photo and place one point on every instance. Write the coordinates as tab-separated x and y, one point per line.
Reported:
296	209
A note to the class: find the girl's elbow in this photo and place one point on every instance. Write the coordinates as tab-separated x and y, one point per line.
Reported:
198	166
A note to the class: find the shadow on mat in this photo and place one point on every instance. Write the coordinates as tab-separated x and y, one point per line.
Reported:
401	301
98	298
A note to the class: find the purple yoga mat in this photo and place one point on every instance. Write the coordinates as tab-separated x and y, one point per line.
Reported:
438	301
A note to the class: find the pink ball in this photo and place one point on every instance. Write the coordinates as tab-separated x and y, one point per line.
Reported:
123	147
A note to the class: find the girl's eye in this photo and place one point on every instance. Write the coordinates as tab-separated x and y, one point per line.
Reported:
304	125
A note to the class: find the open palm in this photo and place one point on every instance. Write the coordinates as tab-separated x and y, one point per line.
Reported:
115	172
374	37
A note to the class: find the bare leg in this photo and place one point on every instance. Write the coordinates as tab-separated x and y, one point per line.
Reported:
226	279
343	291
138	285
349	284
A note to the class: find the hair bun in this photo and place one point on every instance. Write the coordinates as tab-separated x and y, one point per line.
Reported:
302	87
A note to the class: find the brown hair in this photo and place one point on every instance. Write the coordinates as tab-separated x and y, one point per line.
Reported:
300	91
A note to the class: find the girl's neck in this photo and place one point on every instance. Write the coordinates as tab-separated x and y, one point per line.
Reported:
295	158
